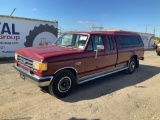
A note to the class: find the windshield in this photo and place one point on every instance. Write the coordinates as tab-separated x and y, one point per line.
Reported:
72	40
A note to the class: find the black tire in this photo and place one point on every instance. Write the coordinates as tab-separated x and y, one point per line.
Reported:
158	54
36	31
137	63
62	84
131	66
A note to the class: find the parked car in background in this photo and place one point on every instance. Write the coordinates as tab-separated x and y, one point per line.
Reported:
156	42
78	57
158	49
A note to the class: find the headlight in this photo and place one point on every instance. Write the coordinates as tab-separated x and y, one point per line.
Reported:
40	66
16	56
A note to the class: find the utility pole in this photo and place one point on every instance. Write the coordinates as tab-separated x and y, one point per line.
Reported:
12	11
146	29
59	32
94	27
154	31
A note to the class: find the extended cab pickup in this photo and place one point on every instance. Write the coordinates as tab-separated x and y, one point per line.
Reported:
78	57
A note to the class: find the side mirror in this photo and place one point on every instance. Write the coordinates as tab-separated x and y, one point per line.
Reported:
100	47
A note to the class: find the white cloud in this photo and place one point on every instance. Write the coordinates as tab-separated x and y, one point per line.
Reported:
84	22
34	9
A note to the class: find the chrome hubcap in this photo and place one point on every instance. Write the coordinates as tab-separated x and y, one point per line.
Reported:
132	66
64	84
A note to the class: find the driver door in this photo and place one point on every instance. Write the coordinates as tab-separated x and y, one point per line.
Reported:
94	62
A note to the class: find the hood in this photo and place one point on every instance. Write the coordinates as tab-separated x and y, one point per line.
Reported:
41	52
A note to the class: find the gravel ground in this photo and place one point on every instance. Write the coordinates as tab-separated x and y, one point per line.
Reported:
115	97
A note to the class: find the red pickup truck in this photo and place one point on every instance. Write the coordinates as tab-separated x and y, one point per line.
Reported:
78	57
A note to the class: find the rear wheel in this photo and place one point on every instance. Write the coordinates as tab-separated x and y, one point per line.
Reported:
62	84
131	66
158	54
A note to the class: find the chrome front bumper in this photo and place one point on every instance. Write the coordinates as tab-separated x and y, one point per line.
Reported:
40	81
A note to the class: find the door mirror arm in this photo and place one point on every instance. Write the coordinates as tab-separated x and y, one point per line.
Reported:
96	53
99	48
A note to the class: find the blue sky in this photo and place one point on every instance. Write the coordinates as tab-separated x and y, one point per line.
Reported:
132	15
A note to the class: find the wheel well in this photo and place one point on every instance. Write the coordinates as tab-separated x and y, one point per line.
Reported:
136	59
73	71
70	69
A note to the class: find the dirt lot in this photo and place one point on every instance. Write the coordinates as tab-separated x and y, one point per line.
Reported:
115	97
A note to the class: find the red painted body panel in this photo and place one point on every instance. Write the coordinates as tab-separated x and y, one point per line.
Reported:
41	53
83	61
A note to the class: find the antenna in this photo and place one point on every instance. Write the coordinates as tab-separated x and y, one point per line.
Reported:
12	11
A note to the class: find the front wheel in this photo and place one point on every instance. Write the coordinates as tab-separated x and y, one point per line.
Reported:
62	84
131	66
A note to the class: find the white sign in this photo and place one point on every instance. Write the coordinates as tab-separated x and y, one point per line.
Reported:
148	40
18	32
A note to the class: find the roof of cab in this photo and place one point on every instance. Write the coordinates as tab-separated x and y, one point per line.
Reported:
105	32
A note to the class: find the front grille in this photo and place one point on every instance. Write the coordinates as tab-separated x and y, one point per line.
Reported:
25	62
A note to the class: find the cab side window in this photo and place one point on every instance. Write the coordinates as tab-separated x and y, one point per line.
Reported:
129	40
90	46
95	40
110	43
